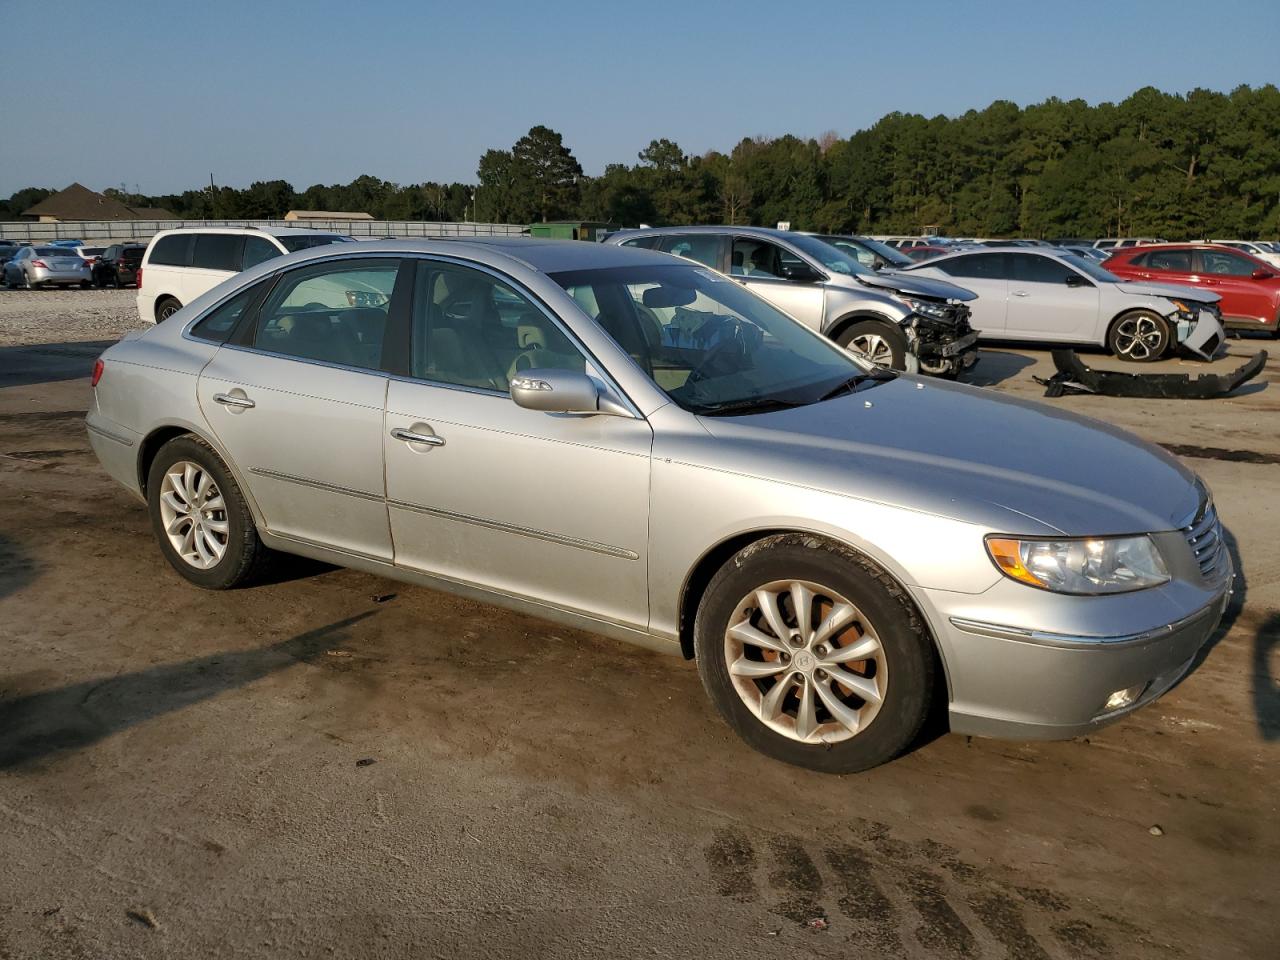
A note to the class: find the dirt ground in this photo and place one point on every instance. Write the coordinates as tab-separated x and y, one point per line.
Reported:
339	765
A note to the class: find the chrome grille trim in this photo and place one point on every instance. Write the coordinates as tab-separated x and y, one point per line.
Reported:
1203	532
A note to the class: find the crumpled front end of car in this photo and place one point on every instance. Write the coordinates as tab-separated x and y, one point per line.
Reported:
1198	327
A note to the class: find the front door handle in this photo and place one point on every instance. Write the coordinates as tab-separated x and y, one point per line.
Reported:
1021	293
408	436
229	401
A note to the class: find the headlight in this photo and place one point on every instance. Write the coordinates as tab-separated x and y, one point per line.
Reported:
1184	311
1102	565
926	308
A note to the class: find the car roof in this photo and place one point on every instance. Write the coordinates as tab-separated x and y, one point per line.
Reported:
542	255
269	231
762	232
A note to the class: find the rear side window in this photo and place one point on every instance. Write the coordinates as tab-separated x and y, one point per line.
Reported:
258	250
1029	268
217	251
646	242
979	266
334	313
306	242
173	250
1178	261
702	247
221	322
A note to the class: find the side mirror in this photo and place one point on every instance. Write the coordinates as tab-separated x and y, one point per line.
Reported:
878	263
800	273
1075	280
1261	274
563	391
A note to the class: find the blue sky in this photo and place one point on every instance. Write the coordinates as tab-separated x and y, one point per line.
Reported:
163	94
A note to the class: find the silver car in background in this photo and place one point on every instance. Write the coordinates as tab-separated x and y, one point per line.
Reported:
35	267
904	323
635	445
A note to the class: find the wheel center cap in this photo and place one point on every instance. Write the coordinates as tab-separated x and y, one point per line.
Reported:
803	660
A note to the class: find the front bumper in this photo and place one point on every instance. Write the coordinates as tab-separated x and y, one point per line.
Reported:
1038	684
1204	336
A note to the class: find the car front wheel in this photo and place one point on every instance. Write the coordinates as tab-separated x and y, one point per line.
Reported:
813	655
879	342
200	517
1141	336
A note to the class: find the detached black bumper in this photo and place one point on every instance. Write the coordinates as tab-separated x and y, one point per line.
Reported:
1074	376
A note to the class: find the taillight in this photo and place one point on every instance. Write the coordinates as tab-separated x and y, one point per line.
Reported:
39	263
98	367
138	273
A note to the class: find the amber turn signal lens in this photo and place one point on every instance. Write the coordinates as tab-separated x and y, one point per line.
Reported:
1008	557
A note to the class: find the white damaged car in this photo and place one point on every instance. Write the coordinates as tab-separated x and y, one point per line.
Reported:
1054	297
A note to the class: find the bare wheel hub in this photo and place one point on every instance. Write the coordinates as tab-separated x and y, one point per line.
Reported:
826	688
194	514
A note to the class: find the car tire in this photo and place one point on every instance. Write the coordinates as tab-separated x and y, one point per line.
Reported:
744	680
880	341
166	308
215	547
85	285
1140	336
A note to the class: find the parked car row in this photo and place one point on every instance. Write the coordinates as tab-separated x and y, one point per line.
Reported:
649	448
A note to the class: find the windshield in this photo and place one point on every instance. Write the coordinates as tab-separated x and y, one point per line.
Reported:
710	345
833	258
1090	268
866	251
294	244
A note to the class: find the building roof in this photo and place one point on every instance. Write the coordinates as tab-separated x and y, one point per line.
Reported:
153	213
78	202
325	215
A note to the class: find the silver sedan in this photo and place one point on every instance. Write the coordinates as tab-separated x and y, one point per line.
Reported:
35	267
633	444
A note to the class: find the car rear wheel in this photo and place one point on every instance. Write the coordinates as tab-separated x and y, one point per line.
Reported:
200	517
813	655
166	308
1140	336
881	343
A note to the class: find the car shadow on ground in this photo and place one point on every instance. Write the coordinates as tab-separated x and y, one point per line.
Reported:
28	364
16	568
1266	682
48	722
995	366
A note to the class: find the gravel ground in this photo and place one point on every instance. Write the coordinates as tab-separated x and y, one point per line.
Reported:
59	316
333	764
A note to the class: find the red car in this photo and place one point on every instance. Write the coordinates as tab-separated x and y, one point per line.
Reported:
1250	288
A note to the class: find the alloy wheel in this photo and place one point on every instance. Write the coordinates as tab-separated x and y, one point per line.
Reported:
194	514
873	347
806	662
1139	338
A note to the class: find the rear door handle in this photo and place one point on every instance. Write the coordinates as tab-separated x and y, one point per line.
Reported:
1021	293
229	401
408	436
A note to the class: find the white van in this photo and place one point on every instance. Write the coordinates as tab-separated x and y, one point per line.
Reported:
180	265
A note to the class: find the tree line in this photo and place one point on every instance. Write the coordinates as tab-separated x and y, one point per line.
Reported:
1157	164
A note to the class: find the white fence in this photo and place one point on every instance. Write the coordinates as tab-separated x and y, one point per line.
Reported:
103	231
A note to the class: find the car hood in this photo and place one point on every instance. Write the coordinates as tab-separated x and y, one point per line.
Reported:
914	286
1012	465
1172	291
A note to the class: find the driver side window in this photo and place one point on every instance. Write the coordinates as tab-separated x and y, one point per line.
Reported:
470	329
759	258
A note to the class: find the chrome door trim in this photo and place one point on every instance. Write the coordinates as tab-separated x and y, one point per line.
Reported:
602	548
316	484
567	616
